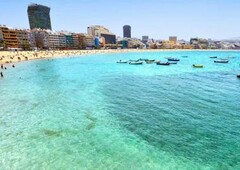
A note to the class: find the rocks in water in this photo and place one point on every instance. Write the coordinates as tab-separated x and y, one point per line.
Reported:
92	120
52	133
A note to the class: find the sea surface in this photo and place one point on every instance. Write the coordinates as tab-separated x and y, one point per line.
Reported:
89	112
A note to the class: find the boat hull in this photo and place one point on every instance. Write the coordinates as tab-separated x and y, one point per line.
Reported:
163	64
197	66
221	61
136	63
122	62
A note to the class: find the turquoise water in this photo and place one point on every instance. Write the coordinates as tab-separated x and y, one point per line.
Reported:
91	113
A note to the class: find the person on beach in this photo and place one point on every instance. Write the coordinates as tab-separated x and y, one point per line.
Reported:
1	66
13	65
1	74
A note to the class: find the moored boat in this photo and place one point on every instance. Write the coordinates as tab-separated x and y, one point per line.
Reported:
221	61
238	76
213	57
197	66
184	56
122	62
173	59
163	63
136	62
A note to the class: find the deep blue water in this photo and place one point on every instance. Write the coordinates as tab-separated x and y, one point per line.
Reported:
92	113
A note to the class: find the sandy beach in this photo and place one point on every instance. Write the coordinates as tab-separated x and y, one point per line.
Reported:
7	57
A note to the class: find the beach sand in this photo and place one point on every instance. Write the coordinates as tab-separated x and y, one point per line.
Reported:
7	57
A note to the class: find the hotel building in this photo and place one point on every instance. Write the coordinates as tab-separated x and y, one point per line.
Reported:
10	39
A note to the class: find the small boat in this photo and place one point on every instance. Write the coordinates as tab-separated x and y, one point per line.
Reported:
163	64
221	61
184	56
173	59
136	62
149	61
213	57
122	62
238	76
197	66
172	62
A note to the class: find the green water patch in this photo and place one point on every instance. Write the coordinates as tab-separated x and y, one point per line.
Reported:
42	70
175	114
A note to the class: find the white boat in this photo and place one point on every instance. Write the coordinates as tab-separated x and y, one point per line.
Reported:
136	62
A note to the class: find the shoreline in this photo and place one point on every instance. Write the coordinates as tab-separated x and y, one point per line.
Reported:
9	57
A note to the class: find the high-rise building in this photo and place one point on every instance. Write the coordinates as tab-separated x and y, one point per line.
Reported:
39	16
126	31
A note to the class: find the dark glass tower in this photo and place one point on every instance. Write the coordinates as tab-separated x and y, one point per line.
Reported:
127	31
39	16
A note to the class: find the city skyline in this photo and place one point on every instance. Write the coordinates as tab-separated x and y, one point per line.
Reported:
157	19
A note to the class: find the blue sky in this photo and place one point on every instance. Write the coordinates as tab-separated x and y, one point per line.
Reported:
217	19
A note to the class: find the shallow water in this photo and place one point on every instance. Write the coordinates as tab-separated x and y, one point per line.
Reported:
91	113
